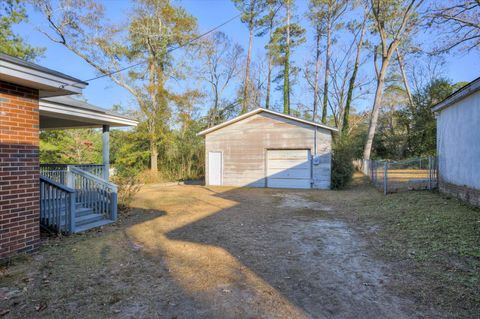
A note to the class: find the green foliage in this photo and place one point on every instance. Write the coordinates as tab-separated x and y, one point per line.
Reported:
181	153
342	163
129	151
13	12
72	146
410	130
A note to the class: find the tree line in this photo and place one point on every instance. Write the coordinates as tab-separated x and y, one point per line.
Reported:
362	54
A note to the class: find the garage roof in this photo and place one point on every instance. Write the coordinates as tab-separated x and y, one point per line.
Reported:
458	95
260	110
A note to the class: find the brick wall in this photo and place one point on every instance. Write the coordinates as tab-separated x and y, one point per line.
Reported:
19	169
467	194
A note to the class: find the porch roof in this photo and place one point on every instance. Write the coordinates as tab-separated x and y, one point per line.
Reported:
48	82
66	112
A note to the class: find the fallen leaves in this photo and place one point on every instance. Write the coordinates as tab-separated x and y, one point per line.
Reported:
3	312
40	307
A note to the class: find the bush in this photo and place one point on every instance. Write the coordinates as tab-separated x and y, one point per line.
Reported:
128	187
342	163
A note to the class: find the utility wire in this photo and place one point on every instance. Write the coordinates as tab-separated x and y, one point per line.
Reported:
168	51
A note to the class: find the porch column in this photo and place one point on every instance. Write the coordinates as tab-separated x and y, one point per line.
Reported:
106	151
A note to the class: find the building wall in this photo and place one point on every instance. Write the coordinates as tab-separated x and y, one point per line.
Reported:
244	145
19	169
458	147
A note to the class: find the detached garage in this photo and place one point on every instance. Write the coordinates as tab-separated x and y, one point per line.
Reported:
263	148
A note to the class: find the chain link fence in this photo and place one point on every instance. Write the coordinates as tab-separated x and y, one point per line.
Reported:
395	176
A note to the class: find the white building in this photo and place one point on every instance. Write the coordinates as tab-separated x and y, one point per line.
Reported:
263	148
458	143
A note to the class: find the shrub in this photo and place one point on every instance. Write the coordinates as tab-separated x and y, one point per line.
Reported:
342	163
128	187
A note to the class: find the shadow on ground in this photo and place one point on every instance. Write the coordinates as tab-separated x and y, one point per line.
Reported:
197	252
263	253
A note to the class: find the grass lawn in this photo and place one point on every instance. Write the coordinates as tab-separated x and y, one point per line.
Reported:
197	252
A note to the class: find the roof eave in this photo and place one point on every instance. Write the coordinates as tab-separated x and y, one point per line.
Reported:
460	94
48	84
87	116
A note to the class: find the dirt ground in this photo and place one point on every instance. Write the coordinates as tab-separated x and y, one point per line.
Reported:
198	252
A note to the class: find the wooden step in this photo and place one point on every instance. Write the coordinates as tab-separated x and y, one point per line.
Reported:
82	211
87	219
99	223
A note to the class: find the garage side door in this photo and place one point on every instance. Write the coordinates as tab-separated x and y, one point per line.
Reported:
288	169
215	167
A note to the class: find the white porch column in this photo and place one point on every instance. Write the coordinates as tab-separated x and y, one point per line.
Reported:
106	151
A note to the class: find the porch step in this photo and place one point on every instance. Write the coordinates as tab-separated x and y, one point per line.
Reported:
82	211
87	219
88	226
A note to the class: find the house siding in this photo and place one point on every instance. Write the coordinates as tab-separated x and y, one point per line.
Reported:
244	144
19	169
458	149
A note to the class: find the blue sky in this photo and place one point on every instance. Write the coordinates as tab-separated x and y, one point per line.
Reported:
209	13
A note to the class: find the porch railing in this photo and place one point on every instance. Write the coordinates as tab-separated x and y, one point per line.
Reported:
58	172
93	192
69	192
57	206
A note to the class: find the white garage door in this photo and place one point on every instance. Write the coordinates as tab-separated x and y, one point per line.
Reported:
288	169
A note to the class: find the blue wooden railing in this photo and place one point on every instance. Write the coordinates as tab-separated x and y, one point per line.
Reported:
57	206
66	188
58	172
93	192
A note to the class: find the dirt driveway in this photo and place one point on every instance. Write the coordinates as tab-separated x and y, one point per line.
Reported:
256	253
196	252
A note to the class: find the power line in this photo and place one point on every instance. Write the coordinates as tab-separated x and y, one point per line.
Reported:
171	50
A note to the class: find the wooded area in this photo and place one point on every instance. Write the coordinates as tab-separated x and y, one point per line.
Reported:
369	73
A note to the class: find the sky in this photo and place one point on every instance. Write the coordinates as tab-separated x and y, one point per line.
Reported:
209	14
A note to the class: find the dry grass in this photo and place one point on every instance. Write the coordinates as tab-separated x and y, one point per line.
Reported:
405	175
432	241
190	251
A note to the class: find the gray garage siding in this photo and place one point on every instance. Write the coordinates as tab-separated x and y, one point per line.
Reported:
244	146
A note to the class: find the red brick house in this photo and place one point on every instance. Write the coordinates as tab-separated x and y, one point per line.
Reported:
65	198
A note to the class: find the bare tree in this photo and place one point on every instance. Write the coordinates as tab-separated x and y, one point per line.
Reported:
221	66
353	78
458	22
401	65
268	24
325	16
393	22
251	14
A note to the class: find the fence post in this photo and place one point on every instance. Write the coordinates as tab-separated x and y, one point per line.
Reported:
385	178
70	178
114	206
71	210
430	173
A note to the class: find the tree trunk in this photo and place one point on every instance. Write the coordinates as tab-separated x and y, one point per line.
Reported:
269	80
376	109
404	76
270	65
317	67
286	75
351	84
327	72
247	71
153	156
